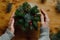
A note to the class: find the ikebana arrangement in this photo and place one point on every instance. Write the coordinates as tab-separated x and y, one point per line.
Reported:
26	17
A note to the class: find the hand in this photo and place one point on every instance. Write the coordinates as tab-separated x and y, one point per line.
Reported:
44	19
11	24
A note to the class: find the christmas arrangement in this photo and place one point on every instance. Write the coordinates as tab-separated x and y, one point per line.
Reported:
26	17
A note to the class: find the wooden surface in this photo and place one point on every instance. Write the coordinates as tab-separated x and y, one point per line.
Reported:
48	6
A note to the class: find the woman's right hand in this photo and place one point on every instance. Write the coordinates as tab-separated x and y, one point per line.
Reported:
44	18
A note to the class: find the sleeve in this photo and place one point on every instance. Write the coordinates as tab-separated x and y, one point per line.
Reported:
44	33
7	35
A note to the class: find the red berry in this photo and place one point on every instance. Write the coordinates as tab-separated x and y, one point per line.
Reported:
30	22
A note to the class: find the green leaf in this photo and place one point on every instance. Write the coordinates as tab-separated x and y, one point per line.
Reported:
26	24
20	22
36	18
34	10
35	25
26	7
20	14
23	28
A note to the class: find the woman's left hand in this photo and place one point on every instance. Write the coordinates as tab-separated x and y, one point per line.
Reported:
11	24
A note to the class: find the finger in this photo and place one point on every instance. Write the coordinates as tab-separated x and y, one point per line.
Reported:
45	15
12	15
42	11
42	18
11	22
11	25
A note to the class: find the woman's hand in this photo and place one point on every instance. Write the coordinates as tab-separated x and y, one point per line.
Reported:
11	24
44	19
45	28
